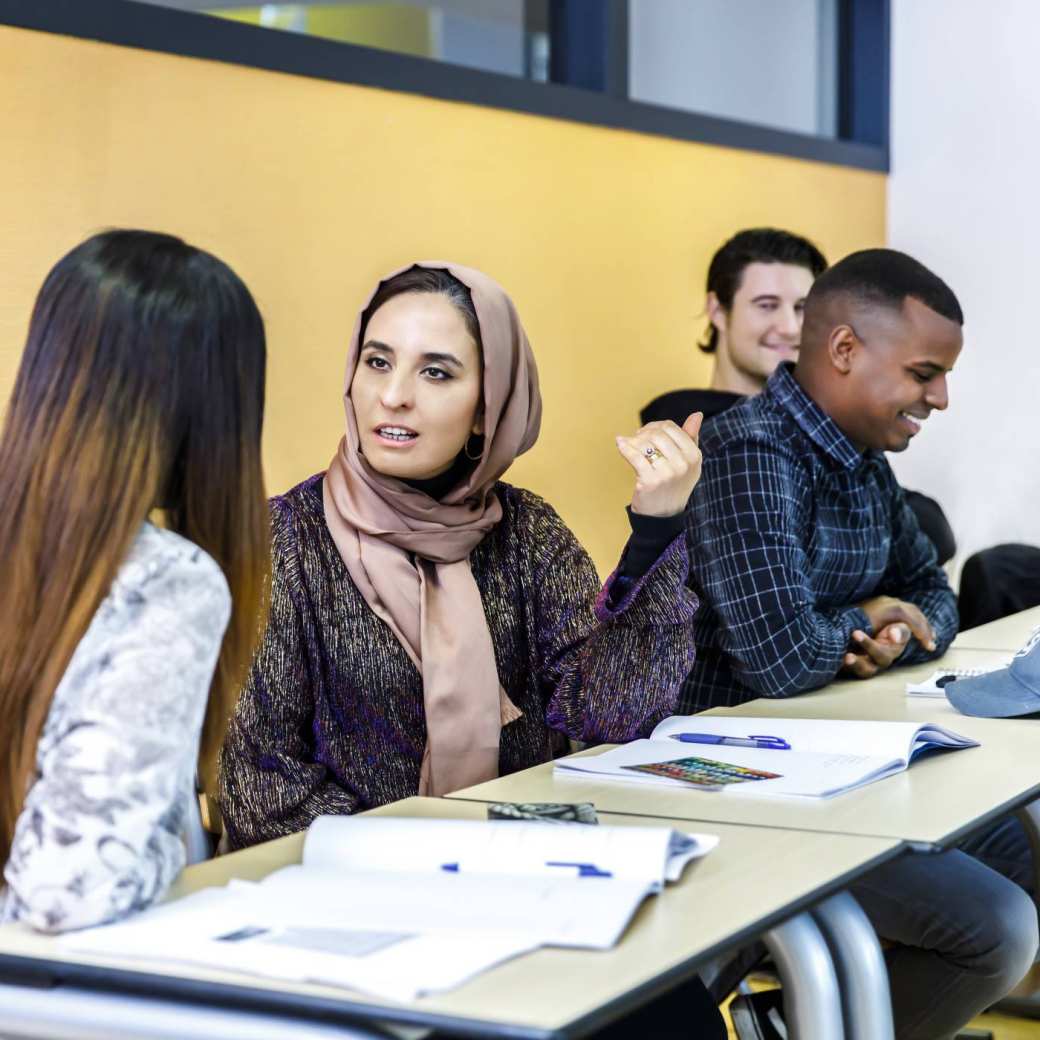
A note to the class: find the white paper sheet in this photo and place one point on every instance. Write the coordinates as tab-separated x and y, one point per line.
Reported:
563	910
381	845
401	907
230	930
931	688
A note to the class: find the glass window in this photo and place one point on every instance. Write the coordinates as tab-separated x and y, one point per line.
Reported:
771	62
800	77
494	35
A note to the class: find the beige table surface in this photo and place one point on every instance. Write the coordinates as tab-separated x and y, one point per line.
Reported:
938	800
1006	634
754	879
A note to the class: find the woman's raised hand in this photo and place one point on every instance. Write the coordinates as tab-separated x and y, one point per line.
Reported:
667	462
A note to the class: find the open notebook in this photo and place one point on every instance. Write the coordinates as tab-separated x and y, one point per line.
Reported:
401	907
825	756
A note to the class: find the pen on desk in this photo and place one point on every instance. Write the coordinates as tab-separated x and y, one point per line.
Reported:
766	743
583	869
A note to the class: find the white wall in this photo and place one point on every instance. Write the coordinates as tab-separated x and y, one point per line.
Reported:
759	61
964	198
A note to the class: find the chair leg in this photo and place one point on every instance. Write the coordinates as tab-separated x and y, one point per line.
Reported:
862	975
812	1000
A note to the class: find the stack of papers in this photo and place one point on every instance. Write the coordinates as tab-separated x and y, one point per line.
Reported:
402	907
751	757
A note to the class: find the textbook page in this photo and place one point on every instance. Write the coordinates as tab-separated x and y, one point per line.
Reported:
825	757
373	845
888	740
401	907
753	772
230	930
566	910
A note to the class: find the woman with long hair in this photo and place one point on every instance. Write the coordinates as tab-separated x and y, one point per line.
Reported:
140	395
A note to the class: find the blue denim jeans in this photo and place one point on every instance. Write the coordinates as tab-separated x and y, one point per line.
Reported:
964	925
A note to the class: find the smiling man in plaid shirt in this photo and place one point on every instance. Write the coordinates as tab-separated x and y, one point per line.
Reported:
803	549
809	563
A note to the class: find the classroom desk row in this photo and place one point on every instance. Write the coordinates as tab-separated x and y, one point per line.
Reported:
777	874
937	802
1006	635
732	896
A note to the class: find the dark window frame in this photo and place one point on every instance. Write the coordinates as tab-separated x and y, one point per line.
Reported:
863	93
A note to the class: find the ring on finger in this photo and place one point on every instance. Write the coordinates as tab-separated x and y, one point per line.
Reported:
652	454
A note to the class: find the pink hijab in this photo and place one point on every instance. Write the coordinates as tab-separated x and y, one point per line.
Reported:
408	554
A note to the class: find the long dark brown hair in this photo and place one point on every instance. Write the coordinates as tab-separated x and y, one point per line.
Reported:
141	388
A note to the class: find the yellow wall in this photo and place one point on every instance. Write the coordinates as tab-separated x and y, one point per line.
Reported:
312	190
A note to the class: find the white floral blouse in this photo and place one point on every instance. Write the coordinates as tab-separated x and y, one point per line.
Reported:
100	834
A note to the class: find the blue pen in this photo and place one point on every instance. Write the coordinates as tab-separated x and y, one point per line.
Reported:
766	743
583	869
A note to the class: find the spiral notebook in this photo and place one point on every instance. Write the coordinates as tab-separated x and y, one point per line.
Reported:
936	683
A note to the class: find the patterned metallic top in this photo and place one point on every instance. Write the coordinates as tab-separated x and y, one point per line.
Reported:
331	720
100	835
790	527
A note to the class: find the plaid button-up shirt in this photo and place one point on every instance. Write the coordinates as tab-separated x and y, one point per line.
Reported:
789	528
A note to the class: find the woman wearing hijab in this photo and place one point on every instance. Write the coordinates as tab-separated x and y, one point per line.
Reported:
431	626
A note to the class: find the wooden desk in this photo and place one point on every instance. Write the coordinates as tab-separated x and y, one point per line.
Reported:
754	880
1007	634
937	801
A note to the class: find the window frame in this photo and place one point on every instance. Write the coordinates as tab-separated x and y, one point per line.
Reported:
863	80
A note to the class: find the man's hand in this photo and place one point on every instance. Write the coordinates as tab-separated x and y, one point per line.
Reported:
883	611
870	656
893	621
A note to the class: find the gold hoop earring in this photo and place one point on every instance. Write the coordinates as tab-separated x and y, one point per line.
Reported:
480	453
